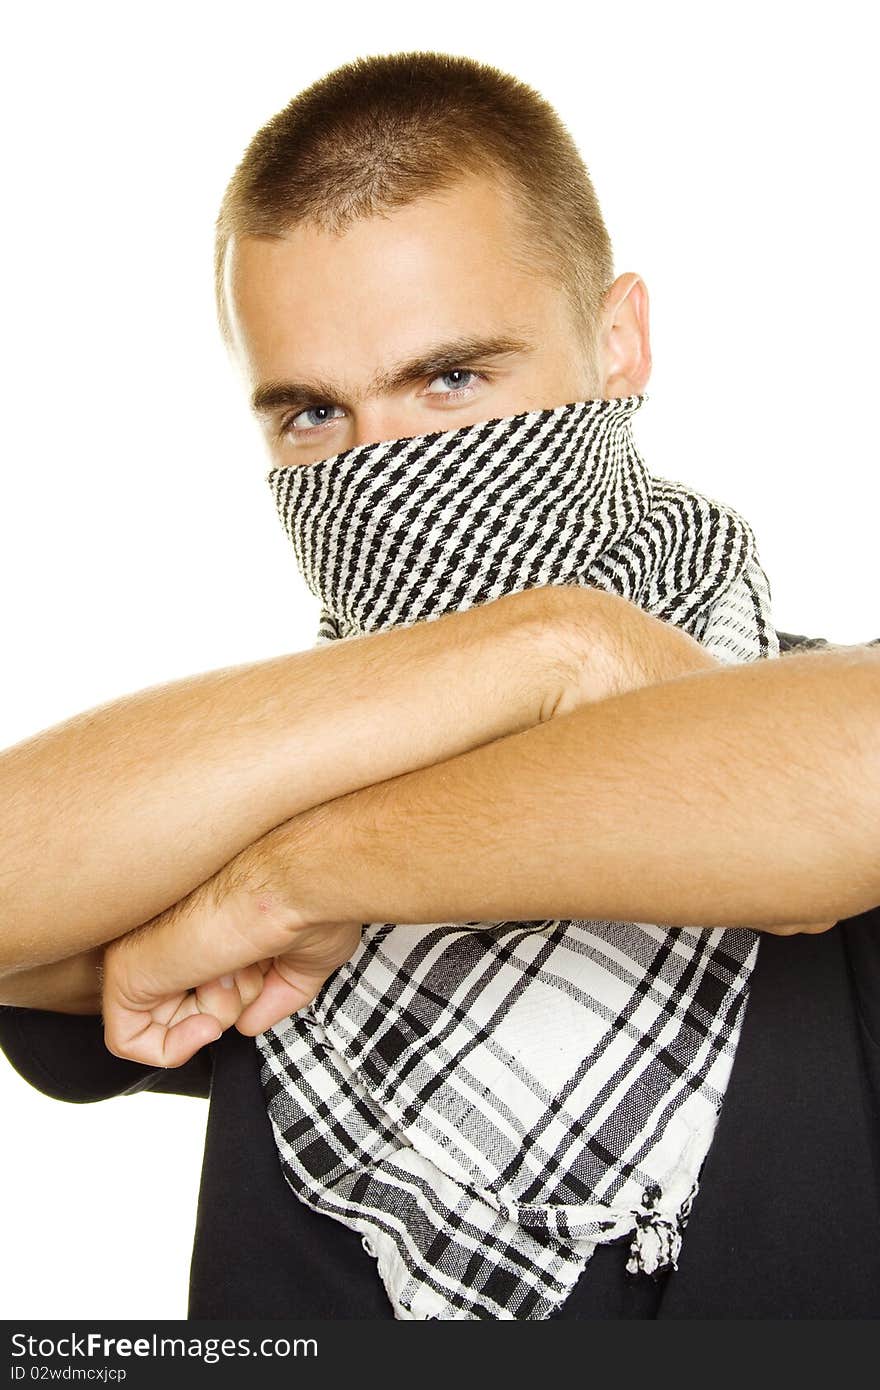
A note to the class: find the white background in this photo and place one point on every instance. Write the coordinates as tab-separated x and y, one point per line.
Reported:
734	155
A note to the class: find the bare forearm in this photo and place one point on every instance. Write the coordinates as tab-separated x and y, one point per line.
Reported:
733	796
743	796
70	986
124	809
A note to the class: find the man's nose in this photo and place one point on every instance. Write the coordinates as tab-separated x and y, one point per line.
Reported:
383	420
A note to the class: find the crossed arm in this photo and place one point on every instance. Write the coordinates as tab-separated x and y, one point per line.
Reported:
123	810
645	783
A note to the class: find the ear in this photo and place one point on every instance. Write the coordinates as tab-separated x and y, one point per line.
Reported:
624	346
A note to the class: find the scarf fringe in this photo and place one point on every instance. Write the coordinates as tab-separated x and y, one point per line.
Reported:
657	1239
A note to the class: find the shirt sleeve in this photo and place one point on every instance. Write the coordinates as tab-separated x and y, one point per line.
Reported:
64	1056
862	940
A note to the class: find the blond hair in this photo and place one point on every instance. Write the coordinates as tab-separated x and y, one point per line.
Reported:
379	132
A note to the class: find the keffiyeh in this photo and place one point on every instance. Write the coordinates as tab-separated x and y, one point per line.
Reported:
486	1102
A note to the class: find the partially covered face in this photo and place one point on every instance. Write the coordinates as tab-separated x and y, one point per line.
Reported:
429	317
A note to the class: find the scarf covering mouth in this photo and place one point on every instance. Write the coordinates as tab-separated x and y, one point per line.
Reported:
486	1102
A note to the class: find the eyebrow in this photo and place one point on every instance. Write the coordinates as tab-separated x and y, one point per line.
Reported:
274	395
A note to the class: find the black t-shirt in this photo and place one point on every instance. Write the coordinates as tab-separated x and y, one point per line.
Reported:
786	1223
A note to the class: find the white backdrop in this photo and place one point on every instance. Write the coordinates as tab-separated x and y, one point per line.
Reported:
733	154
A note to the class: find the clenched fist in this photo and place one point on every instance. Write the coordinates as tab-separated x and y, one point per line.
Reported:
219	958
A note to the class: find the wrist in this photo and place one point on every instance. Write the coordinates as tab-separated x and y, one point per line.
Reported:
301	879
628	648
565	627
522	655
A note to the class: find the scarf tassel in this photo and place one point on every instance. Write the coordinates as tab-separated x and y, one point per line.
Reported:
656	1243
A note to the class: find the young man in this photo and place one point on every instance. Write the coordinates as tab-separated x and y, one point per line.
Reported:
411	251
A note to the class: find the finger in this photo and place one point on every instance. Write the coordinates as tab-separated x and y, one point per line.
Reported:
140	1039
250	982
225	998
169	1011
296	978
279	998
221	999
799	929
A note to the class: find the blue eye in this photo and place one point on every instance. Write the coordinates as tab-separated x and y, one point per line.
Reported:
319	410
448	376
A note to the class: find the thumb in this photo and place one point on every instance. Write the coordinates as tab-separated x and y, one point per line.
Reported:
280	997
298	976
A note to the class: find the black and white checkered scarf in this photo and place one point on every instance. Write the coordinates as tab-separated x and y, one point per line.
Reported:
486	1102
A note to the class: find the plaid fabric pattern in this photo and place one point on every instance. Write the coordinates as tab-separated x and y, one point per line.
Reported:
486	1102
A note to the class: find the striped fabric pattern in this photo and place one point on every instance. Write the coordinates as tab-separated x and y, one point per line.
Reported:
486	1102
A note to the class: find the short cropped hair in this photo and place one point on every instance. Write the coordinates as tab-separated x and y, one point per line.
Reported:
379	132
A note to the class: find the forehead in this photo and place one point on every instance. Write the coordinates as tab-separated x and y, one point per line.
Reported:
449	264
